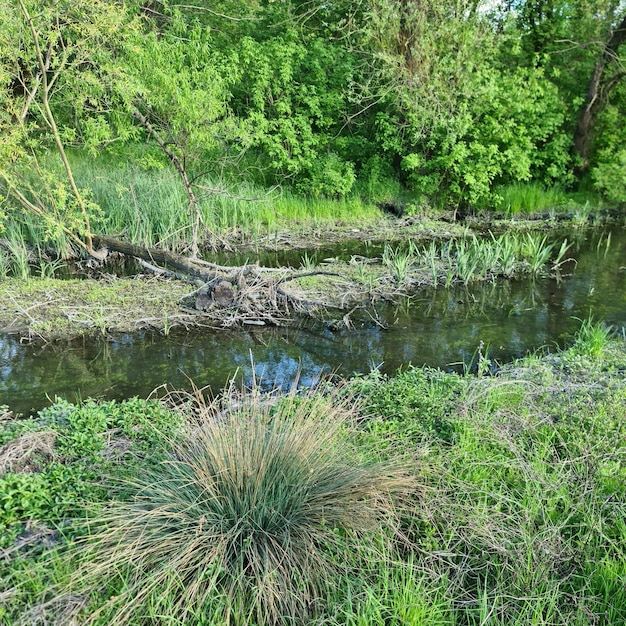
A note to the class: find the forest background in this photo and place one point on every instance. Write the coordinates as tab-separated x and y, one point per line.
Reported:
447	103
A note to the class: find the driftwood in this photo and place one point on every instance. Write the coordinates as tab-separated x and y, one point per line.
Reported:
229	295
162	258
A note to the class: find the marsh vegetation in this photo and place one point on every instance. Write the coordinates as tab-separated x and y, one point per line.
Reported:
456	132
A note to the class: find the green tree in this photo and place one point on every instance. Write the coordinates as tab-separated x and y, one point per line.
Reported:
53	61
453	115
180	94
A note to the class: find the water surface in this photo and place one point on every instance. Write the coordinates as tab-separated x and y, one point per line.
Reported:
440	328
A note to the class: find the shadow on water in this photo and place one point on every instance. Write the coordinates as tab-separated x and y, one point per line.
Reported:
440	328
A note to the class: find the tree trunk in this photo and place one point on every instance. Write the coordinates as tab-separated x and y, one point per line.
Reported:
196	217
597	94
167	260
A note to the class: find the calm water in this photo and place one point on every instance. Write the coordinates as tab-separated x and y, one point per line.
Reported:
441	328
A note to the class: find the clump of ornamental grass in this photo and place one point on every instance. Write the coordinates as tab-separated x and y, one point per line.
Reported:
245	519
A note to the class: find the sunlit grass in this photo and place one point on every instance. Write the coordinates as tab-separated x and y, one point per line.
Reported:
149	206
592	338
529	198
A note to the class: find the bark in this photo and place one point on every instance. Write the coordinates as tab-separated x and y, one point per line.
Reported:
162	258
597	94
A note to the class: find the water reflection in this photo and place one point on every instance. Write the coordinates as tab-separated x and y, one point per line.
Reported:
438	327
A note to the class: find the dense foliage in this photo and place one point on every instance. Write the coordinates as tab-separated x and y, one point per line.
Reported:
453	99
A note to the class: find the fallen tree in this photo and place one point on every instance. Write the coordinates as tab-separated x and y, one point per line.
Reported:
230	295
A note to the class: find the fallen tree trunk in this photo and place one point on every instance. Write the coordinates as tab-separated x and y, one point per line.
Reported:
206	272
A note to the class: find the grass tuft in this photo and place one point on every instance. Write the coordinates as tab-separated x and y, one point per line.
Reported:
592	338
245	519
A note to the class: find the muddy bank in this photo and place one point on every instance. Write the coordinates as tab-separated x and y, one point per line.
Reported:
48	309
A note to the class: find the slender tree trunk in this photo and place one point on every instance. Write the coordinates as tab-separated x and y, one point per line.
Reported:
182	172
597	94
45	99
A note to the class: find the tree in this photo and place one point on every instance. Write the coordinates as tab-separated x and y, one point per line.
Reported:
180	98
53	57
602	83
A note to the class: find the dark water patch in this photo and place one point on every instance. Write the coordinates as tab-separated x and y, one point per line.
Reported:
296	257
440	328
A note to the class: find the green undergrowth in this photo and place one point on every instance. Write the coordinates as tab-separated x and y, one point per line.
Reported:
514	512
141	200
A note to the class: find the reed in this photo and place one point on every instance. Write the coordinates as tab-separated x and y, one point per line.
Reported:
17	256
399	262
529	198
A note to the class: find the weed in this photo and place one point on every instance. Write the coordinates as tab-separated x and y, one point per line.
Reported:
47	269
18	257
308	263
604	242
536	251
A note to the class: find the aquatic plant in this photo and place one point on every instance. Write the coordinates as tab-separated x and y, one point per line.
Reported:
243	521
398	261
307	262
592	338
536	251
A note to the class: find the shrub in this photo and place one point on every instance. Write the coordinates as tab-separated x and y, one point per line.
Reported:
244	521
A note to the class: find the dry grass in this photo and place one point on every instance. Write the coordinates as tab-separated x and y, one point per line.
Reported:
60	611
27	453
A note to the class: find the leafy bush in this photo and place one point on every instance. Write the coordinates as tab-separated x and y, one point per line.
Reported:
609	175
416	405
51	465
329	176
243	521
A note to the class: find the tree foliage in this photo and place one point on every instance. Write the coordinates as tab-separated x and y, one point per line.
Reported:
453	98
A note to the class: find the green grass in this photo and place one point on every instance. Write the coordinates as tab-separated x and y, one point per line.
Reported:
592	338
246	516
149	206
517	507
141	198
529	198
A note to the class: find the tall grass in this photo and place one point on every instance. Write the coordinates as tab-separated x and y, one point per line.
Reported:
149	206
529	198
592	338
245	520
15	258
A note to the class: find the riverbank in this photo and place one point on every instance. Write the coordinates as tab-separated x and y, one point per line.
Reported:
424	254
515	509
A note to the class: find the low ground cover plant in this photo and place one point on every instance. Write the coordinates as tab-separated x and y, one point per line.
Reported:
279	511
